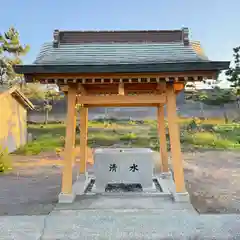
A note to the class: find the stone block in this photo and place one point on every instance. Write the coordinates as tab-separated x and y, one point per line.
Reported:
181	197
123	165
66	198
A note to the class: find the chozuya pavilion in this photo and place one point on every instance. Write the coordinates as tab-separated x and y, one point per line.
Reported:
121	68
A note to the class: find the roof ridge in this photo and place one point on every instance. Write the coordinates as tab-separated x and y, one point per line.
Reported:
119	36
120	31
197	47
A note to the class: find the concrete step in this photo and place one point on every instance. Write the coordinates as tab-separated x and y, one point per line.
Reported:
123	202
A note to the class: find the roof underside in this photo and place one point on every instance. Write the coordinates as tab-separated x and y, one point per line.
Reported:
120	51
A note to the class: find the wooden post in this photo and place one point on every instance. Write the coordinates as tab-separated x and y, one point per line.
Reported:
74	137
162	138
67	168
83	139
175	140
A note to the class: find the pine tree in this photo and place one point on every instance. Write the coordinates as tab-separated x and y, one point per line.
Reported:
233	74
217	97
11	51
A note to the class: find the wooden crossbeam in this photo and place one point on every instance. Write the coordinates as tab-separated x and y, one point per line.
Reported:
123	105
120	99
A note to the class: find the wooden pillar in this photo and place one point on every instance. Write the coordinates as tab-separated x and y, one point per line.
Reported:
162	138
74	137
175	140
83	139
70	132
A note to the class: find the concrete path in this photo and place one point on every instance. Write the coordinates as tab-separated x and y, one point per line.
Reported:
120	224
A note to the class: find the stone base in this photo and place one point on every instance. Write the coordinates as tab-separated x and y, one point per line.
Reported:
165	174
181	197
66	198
82	177
150	189
81	184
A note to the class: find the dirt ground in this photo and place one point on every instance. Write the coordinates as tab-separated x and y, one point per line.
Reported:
212	179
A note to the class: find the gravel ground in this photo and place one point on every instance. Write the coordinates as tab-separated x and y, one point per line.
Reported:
30	191
212	179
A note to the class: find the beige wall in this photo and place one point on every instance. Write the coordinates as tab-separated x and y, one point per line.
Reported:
13	125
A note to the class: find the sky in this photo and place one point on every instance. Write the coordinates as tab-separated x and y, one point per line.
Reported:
215	23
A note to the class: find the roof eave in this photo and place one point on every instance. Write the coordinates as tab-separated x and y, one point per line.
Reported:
15	92
24	100
123	68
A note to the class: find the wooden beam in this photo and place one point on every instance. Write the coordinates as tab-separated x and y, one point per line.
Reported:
162	138
121	89
175	140
70	131
113	76
160	88
118	99
122	105
82	89
83	139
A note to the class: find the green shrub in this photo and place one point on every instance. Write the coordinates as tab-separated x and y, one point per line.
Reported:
227	127
129	136
193	125
207	127
5	160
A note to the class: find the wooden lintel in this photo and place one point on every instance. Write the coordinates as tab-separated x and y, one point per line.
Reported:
119	99
123	105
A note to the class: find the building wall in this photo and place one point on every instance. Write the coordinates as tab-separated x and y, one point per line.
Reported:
13	124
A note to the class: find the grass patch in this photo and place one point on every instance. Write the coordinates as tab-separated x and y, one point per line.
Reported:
209	133
45	142
209	140
5	160
101	138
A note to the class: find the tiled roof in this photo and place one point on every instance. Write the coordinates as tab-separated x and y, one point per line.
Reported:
120	52
117	53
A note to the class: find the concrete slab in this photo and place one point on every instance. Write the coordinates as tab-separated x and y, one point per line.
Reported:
139	224
21	227
120	224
